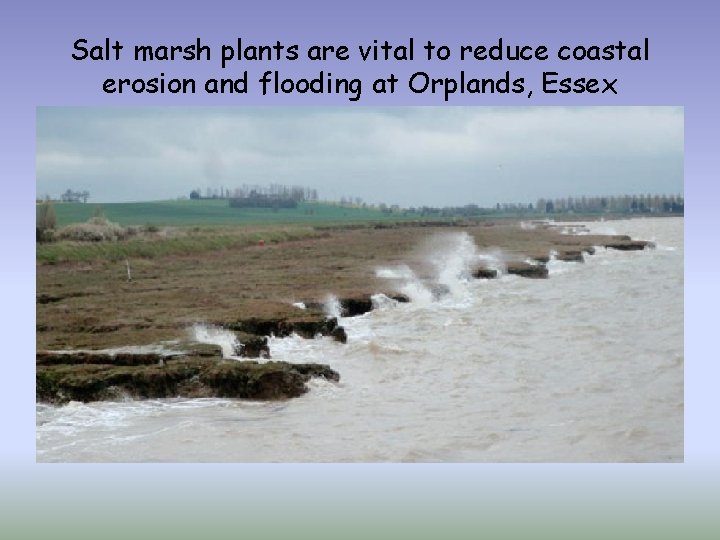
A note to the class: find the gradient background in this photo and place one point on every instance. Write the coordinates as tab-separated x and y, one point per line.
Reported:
330	501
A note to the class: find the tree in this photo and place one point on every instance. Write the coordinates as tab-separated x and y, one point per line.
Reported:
195	194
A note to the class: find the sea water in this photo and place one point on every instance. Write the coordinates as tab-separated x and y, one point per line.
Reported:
584	366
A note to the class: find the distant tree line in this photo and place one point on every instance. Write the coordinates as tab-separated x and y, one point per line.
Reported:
75	196
357	202
259	193
468	210
668	204
672	204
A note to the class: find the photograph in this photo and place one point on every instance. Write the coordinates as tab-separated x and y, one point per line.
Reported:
360	285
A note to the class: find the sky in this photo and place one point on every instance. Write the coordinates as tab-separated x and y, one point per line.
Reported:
424	156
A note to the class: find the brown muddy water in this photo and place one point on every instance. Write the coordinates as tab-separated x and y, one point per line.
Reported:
584	366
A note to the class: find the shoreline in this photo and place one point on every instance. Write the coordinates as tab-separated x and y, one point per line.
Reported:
75	314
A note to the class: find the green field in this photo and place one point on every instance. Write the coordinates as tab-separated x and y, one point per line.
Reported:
217	212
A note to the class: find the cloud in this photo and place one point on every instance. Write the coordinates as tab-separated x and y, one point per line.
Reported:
408	156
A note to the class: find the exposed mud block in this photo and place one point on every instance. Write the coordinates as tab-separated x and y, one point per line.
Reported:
82	378
253	346
314	328
533	271
629	245
352	307
282	327
274	380
484	273
570	256
261	326
315	370
339	334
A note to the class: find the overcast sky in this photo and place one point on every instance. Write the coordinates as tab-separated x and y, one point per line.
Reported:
432	156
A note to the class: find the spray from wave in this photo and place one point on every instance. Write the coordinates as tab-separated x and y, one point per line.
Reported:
556	266
494	259
332	307
214	335
381	301
446	262
405	281
452	257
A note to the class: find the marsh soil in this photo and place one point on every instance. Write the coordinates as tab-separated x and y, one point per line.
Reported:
94	306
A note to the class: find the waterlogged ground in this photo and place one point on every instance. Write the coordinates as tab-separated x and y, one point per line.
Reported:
584	366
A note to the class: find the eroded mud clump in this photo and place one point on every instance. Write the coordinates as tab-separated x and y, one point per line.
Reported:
93	377
630	245
253	346
352	306
534	271
309	327
484	273
339	334
571	255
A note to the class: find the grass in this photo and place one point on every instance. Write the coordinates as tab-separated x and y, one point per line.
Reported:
217	213
187	242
